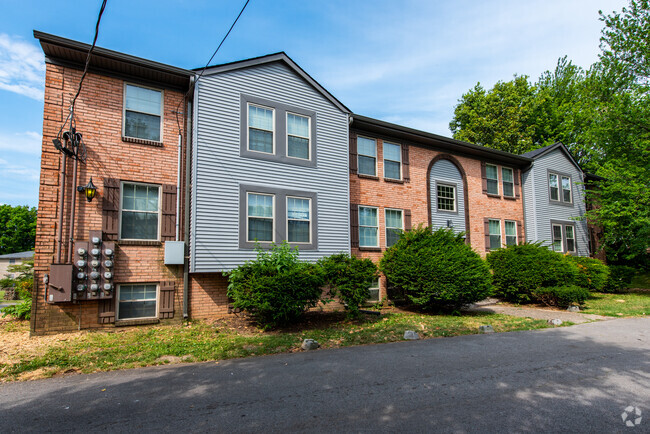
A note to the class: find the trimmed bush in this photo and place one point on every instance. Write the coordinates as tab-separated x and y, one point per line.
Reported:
521	269
276	288
592	273
620	277
562	296
436	270
349	278
23	284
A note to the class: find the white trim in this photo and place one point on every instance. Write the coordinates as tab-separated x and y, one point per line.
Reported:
161	115
302	137
512	171
272	218
383	153
386	227
364	226
570	189
505	233
454	198
368	156
553	225
119	229
490	234
490	179
117	301
248	127
573	228
299	220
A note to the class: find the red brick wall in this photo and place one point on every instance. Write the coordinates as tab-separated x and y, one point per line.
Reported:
413	195
208	295
99	118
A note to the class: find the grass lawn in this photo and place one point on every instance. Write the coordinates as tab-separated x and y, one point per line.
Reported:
628	304
87	352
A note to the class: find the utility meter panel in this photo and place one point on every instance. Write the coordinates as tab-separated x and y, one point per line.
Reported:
59	285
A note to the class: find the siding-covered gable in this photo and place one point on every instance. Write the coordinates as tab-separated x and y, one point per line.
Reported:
444	172
220	168
540	210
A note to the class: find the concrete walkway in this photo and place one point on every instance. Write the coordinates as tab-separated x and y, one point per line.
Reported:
490	305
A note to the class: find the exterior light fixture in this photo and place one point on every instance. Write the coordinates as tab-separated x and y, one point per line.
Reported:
89	190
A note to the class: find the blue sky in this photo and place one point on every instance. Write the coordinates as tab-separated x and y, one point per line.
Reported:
406	62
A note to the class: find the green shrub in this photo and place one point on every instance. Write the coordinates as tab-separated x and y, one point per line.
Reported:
23	282
436	270
349	278
620	277
519	270
592	273
276	288
561	296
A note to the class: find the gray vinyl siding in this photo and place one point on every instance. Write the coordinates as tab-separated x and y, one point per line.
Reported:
445	172
539	210
219	170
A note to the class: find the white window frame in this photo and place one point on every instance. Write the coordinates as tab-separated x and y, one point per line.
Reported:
491	179
512	171
401	211
561	188
248	127
375	285
299	220
500	233
566	237
159	212
117	301
505	232
161	115
359	154
553	226
385	159
308	137
364	226
248	217
452	186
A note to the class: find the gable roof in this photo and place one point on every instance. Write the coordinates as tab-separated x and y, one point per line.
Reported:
434	140
540	152
19	255
66	52
276	57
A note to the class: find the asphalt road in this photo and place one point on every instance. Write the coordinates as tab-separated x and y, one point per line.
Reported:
572	379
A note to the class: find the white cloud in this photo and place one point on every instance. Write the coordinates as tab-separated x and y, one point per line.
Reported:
22	69
28	142
28	174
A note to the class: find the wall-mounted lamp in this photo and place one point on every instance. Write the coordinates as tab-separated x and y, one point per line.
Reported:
89	190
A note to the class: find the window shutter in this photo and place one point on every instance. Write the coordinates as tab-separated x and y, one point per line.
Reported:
520	233
168	224
110	208
354	225
516	175
353	153
406	174
407	219
107	311
484	178
486	225
166	308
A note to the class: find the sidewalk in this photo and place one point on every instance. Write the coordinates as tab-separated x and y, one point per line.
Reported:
490	305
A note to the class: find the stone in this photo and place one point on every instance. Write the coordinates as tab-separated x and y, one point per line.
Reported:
573	309
555	321
411	335
485	329
309	344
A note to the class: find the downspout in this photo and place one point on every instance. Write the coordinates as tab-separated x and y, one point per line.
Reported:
73	205
178	185
186	197
59	229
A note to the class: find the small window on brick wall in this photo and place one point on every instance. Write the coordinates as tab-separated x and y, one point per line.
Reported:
142	113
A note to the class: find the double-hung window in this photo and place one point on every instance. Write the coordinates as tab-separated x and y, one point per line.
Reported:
140	211
558	244
492	175
392	161
495	234
566	189
260	129
374	290
508	182
368	227
553	185
298	220
446	197
511	232
569	234
137	301
367	158
559	187
394	225
298	136
260	221
142	113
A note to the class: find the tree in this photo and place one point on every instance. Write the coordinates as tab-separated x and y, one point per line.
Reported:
17	229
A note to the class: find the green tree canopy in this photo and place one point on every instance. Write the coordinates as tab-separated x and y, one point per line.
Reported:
17	229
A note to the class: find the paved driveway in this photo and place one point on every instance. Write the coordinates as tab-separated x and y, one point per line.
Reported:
572	379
